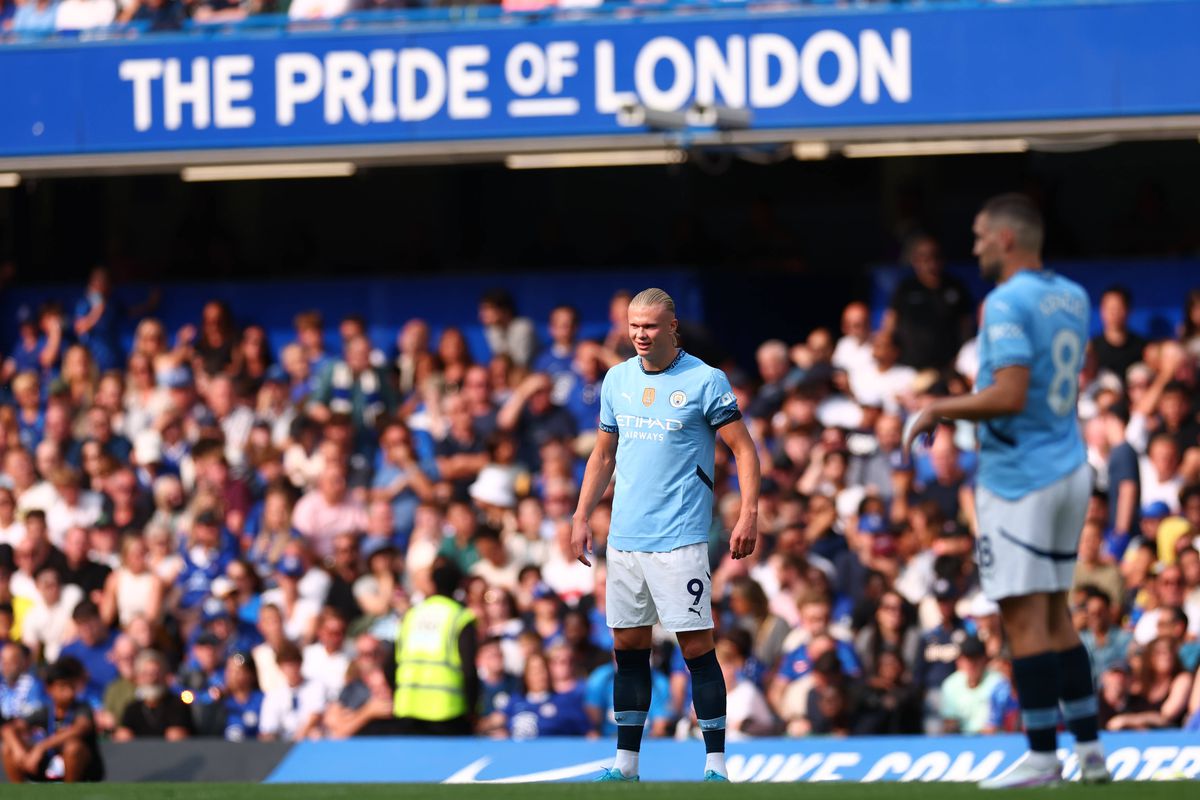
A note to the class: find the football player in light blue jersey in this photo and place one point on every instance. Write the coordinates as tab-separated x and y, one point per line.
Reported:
1033	484
660	414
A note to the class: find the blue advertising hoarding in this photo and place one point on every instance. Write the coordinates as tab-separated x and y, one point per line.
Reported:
1167	755
924	65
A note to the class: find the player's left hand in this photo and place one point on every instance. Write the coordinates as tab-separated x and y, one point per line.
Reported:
923	426
581	540
743	539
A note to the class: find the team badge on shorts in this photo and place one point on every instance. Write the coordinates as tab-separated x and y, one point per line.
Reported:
648	396
678	399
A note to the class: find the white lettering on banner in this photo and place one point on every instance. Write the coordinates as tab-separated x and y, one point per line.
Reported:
383	86
347	75
664	48
965	770
232	84
383	98
142	72
177	93
297	81
717	72
892	763
464	66
828	771
929	767
419	60
608	99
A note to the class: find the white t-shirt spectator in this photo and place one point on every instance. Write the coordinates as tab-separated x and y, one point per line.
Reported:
42	496
325	668
82	15
299	622
236	428
13	535
1146	630
61	517
570	580
1154	490
319	9
872	387
852	355
967	361
48	625
285	709
746	707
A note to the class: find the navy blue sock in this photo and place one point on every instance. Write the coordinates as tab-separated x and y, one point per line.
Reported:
1077	693
708	698
1037	690
631	697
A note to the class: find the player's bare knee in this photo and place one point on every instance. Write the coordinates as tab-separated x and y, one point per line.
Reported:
633	638
694	644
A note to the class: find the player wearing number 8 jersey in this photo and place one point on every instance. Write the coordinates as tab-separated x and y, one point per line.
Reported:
1033	483
660	414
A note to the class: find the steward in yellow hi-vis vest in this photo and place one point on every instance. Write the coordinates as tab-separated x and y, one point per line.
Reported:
437	687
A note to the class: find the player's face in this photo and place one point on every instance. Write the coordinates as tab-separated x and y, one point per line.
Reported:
989	247
652	330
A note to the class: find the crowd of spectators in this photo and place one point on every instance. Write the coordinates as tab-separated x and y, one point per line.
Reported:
216	539
41	17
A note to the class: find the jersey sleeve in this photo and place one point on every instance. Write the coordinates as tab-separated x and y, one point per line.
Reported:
608	419
720	406
1008	335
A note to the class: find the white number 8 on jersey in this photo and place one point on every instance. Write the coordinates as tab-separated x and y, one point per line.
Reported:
1066	352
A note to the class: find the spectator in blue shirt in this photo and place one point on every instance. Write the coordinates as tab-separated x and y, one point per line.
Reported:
93	649
97	316
242	701
21	693
35	16
498	688
1107	645
552	704
204	559
556	360
598	702
400	480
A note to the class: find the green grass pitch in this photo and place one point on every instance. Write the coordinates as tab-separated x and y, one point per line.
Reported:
643	791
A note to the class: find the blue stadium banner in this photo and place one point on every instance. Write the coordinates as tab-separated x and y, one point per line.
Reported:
923	65
1131	756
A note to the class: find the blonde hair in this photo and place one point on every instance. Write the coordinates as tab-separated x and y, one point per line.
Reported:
649	298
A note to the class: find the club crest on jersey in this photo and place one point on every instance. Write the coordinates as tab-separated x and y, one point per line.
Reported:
678	399
648	396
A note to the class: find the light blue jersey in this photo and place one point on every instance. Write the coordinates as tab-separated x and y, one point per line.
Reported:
1037	319
667	424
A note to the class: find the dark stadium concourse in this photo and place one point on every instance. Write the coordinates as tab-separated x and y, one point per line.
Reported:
716	211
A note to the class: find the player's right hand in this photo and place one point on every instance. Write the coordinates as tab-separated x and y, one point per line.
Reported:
581	540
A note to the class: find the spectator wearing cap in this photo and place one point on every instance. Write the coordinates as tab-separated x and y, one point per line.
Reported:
1092	570
202	681
546	617
1151	520
92	647
156	712
20	690
1117	348
965	701
56	741
299	612
940	646
328	510
292	712
273	406
931	313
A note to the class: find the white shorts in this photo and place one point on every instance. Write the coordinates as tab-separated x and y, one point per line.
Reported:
673	588
1030	544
